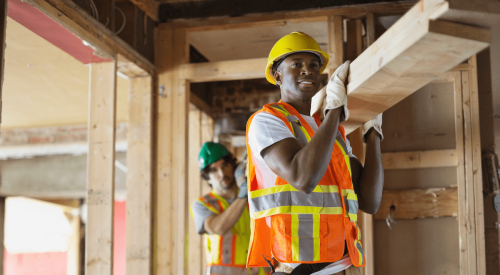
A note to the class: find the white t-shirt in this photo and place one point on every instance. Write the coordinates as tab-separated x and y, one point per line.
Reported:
265	130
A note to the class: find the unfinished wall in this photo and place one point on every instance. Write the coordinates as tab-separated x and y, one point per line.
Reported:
423	121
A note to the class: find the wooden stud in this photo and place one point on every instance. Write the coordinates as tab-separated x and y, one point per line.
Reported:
370	28
164	140
461	192
196	249
419	203
101	169
469	177
172	205
420	159
335	42
476	167
139	177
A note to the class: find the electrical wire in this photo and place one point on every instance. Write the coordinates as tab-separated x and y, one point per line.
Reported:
124	20
94	7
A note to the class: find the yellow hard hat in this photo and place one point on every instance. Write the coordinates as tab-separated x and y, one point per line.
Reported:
293	43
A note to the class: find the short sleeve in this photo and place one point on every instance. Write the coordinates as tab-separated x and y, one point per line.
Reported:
349	148
265	130
200	213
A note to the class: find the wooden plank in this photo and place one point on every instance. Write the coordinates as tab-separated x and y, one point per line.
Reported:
83	25
469	177
201	104
282	18
485	13
460	67
139	177
460	152
224	70
399	63
196	249
101	169
419	203
420	159
180	151
164	140
476	167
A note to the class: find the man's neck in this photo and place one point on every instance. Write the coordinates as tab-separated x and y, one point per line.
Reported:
302	106
229	194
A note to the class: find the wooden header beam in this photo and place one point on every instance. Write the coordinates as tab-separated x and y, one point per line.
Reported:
420	159
77	21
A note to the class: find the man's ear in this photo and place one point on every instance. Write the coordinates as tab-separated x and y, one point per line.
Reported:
278	77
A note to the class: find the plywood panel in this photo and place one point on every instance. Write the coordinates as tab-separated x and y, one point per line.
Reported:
57	90
423	121
219	45
416	247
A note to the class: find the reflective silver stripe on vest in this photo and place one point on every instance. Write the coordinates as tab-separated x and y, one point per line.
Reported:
353	206
226	270
227	248
295	198
306	240
341	141
298	133
360	248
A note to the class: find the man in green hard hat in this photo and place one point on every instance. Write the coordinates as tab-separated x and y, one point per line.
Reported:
222	215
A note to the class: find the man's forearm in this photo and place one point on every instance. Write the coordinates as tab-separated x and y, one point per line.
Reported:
222	223
372	177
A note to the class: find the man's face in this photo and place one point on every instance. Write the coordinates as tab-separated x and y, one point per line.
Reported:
299	75
221	175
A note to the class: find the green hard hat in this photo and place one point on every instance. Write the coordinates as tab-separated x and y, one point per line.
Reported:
211	152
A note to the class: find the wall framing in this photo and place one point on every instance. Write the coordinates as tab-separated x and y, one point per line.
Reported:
175	74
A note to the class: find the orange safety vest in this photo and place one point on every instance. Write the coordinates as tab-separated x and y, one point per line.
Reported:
294	227
227	254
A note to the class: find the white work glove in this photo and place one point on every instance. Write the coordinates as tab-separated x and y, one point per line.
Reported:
333	95
376	124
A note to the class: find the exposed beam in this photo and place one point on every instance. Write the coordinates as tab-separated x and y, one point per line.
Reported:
303	13
150	7
83	25
419	203
139	177
224	70
101	169
420	159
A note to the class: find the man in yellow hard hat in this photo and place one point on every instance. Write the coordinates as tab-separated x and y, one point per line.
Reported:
222	215
305	185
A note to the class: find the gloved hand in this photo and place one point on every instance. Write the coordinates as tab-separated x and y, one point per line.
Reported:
241	178
333	95
376	124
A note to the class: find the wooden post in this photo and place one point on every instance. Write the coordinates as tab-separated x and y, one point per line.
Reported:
195	240
101	169
335	41
172	131
476	167
139	177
